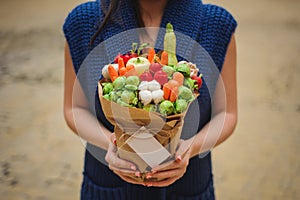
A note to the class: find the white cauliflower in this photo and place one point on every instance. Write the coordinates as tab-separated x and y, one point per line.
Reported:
145	97
143	85
157	96
153	85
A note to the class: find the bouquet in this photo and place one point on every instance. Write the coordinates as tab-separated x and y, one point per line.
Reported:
145	96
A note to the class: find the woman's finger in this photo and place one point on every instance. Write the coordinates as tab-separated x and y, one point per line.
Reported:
130	179
114	161
166	174
165	166
162	183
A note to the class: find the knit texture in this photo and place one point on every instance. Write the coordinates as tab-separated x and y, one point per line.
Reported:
203	33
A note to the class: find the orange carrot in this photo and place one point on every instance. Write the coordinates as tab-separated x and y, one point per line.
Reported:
173	83
167	91
113	74
177	76
174	94
129	67
131	71
122	71
151	54
121	63
164	58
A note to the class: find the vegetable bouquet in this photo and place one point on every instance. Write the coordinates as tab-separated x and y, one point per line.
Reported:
146	96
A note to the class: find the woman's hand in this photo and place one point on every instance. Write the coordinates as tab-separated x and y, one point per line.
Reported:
173	170
124	169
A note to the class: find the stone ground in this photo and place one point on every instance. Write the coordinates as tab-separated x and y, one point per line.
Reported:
40	158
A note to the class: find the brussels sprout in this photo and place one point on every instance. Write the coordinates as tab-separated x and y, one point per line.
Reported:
107	88
106	96
180	105
150	108
169	70
119	93
131	87
119	82
166	107
128	96
185	93
122	103
184	69
133	80
113	96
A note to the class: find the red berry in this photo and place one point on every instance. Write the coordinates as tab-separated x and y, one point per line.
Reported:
161	77
154	67
146	76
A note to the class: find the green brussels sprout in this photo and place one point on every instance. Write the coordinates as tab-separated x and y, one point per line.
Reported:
119	82
122	103
128	96
150	108
185	93
113	96
106	96
119	93
133	80
180	105
184	69
166	107
169	70
107	88
131	87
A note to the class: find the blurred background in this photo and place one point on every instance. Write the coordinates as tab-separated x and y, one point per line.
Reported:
41	159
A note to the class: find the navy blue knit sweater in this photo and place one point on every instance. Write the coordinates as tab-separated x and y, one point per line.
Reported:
203	34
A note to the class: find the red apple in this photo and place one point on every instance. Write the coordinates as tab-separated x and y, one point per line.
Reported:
161	77
146	76
154	67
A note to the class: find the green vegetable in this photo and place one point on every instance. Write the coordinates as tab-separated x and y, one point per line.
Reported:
106	96
113	96
166	107
119	82
119	93
189	83
122	103
128	96
185	93
150	108
170	45
169	70
107	88
131	87
180	105
184	69
133	80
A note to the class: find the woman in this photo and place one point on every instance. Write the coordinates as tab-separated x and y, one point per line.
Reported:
189	176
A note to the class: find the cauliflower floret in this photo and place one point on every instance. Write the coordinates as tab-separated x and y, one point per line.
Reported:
153	85
145	97
158	96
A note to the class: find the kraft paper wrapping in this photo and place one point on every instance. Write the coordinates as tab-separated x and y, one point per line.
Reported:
128	121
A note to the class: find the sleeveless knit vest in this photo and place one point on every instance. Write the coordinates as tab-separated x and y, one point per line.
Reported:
207	25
